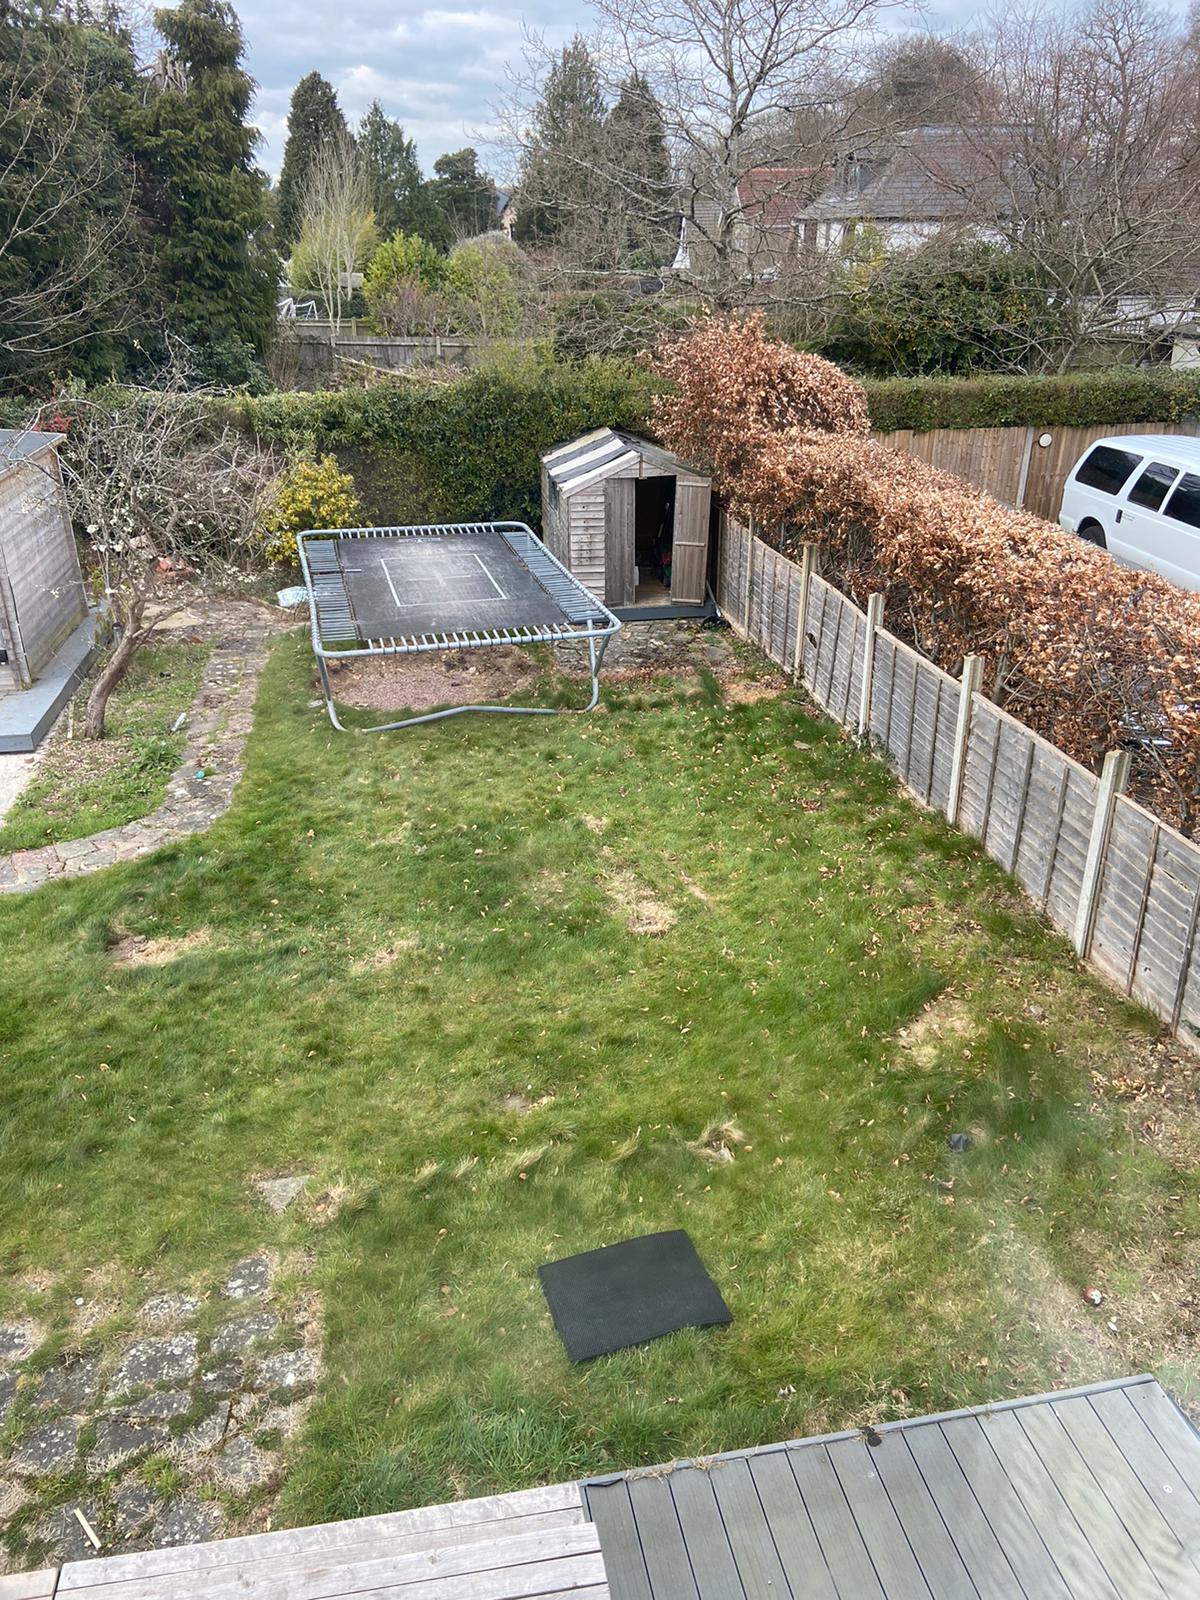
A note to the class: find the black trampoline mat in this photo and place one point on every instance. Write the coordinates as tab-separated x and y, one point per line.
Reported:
440	583
629	1293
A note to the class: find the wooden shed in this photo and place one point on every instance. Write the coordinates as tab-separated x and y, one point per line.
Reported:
42	599
630	521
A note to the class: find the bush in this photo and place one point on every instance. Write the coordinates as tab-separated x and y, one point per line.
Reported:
972	309
1080	648
310	494
1116	395
472	444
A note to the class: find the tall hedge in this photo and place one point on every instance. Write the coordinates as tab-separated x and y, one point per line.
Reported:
1116	395
422	450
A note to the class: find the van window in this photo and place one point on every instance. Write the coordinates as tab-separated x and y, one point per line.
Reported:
1151	488
1184	504
1107	468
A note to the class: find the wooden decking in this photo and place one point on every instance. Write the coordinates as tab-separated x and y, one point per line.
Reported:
1089	1494
504	1547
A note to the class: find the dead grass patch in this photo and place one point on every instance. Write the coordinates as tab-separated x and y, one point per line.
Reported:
388	954
716	1143
743	691
948	1020
640	910
135	950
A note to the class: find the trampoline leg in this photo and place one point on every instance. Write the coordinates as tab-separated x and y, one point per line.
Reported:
333	716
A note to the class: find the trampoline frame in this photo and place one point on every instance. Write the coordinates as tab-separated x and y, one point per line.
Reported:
331	616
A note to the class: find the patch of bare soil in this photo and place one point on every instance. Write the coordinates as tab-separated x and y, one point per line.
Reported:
135	950
946	1020
426	682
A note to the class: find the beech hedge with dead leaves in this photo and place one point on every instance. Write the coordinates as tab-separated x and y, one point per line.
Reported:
1090	654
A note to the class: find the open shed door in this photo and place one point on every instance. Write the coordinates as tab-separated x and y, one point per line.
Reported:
689	548
620	517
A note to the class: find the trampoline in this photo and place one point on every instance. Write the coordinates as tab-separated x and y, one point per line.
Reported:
462	586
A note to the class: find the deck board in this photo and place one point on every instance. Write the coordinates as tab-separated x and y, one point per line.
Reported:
1088	1494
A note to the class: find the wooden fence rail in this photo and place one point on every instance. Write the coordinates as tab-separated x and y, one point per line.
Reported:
1120	883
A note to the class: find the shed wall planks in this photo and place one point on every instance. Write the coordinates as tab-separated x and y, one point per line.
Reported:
1030	806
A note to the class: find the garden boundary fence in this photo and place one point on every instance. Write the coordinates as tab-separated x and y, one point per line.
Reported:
1124	886
1023	467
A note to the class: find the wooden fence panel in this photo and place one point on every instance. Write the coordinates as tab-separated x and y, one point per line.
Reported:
1031	807
1012	463
990	458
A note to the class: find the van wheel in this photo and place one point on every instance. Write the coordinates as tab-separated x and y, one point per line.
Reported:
1093	533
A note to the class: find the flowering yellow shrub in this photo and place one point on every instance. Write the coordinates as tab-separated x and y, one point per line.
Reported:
309	494
1089	653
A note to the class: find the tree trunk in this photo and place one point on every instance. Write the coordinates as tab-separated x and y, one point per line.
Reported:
110	676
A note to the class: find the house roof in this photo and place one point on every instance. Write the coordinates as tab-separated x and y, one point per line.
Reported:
771	194
22	444
1086	1492
921	178
601	454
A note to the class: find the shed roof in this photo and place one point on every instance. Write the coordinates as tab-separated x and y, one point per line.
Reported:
22	444
1069	1496
601	454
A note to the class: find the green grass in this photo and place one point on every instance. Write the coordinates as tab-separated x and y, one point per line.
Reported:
83	786
817	913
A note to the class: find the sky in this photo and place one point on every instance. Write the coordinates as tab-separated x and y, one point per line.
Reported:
439	71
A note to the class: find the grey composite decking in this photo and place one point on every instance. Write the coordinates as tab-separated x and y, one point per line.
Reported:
1087	1494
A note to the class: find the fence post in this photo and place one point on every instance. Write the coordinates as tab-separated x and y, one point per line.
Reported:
1114	775
968	688
874	623
808	565
749	575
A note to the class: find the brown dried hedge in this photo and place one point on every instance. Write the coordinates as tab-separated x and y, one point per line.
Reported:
1089	653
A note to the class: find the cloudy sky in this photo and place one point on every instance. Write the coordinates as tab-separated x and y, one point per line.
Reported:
439	70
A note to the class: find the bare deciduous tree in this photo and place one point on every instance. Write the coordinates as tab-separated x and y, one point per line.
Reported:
167	503
337	226
1090	169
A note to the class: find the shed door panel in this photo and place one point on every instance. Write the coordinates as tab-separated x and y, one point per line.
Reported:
619	522
689	549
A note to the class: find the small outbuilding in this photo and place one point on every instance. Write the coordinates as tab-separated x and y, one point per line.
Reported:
42	599
631	521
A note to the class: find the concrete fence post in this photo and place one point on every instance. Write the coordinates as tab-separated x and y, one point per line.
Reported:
1114	775
874	623
808	565
968	688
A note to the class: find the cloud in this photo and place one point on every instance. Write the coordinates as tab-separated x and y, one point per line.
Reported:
441	72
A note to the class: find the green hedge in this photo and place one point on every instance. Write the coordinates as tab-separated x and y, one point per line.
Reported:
1080	399
427	451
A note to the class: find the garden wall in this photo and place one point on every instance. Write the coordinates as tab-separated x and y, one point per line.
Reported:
1122	885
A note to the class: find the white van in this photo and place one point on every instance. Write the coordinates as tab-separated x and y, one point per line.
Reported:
1139	497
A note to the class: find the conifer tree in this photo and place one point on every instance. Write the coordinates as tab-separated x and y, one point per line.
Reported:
315	122
561	196
638	167
390	162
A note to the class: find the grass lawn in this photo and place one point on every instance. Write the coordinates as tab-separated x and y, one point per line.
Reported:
411	966
83	786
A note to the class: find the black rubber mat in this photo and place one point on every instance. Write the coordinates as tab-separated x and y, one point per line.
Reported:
606	1300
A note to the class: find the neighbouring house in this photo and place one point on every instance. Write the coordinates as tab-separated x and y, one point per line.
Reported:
631	522
919	183
760	216
506	212
42	598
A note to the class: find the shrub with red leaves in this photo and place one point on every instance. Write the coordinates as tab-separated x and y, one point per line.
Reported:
1089	653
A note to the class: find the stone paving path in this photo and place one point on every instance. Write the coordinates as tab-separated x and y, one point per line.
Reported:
218	723
172	1433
